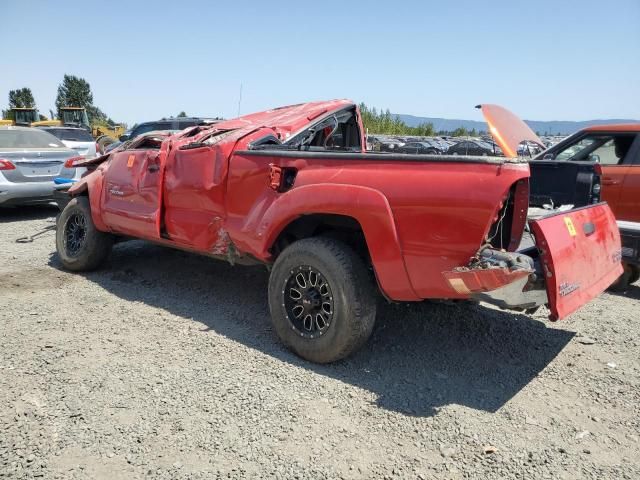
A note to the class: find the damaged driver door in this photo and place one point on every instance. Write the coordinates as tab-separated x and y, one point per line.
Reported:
193	197
131	202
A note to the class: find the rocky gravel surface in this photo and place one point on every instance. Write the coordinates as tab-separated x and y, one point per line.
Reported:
164	364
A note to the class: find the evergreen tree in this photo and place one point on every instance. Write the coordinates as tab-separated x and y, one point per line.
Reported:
74	92
383	122
20	98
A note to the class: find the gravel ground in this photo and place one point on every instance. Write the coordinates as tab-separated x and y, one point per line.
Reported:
164	365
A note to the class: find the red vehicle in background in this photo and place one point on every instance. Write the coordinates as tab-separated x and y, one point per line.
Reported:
616	149
563	175
294	189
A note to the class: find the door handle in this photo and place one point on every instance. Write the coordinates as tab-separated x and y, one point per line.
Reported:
609	181
154	167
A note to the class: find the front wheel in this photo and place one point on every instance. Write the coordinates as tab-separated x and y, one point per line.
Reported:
80	245
321	299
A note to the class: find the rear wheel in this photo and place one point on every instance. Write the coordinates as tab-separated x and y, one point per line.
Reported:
321	299
79	244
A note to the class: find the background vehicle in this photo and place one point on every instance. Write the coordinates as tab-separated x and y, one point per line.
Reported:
529	149
554	183
77	139
616	149
293	188
599	162
76	117
474	147
29	161
26	117
389	145
166	124
424	148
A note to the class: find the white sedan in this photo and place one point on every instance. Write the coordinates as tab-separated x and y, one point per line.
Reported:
30	160
77	139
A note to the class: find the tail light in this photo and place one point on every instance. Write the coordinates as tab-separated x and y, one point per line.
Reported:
6	165
70	161
275	177
281	179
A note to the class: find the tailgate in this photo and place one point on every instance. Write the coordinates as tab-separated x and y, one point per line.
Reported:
580	255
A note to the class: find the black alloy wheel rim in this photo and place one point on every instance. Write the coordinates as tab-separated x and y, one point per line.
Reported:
75	234
308	301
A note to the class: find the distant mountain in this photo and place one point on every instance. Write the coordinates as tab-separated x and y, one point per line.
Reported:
543	128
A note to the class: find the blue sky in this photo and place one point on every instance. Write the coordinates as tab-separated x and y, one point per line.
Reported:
545	60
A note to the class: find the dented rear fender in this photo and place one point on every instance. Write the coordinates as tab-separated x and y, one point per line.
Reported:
368	206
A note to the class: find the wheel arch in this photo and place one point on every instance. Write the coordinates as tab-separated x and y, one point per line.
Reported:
332	209
91	186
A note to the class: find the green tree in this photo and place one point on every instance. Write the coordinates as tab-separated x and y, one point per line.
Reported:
20	98
76	92
383	122
73	92
182	114
460	132
425	130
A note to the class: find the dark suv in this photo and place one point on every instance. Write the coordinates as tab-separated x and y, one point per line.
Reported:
179	123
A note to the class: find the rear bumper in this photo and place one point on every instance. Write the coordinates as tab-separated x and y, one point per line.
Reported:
27	192
22	193
510	280
576	257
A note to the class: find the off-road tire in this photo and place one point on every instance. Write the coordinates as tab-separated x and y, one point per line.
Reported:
352	289
94	248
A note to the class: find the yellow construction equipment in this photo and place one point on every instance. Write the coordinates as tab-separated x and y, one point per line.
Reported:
24	116
104	134
71	117
27	117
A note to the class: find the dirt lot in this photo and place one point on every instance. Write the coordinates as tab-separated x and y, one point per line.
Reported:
164	365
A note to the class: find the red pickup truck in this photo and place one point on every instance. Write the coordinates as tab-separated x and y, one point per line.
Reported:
293	188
